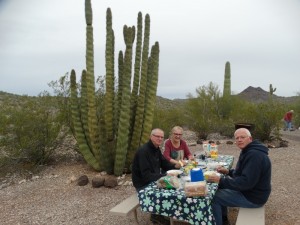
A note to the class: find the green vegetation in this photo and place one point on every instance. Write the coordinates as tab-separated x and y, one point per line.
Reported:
32	127
30	130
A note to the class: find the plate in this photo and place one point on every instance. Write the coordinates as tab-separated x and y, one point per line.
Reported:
174	172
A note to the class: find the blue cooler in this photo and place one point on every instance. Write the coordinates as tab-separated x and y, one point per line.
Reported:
196	175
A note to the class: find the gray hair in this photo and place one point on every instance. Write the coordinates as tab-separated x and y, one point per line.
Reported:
155	130
245	130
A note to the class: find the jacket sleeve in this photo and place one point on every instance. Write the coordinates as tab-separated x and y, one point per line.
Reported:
249	176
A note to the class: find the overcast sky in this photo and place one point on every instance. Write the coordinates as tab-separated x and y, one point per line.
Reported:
41	40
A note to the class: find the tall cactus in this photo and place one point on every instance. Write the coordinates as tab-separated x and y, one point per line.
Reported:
114	122
227	80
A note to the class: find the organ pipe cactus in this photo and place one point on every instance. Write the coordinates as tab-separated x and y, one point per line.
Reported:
108	139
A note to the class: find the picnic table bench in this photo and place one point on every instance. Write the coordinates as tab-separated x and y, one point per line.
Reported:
127	206
250	216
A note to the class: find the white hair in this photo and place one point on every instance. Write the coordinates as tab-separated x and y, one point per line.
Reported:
244	130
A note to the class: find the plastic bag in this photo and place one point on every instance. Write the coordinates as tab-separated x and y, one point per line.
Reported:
168	182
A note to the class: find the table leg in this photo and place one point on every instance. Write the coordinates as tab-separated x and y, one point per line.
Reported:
171	221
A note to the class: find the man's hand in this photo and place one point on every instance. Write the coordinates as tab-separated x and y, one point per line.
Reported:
214	178
222	170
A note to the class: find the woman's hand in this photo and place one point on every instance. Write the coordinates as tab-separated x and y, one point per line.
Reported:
178	165
191	157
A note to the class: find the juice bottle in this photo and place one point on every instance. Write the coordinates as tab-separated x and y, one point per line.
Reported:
214	151
206	148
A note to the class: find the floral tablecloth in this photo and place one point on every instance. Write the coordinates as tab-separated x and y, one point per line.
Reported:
173	202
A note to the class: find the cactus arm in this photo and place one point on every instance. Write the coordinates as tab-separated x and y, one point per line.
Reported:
78	126
137	130
90	78
151	92
124	120
109	64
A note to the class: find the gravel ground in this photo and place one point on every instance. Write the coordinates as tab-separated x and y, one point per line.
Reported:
50	197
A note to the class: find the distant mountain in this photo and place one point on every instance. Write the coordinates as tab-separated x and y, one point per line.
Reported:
258	95
252	94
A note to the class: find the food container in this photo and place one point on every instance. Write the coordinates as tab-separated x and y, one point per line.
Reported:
210	173
194	189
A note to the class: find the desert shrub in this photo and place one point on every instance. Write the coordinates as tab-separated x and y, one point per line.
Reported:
204	111
265	116
296	115
30	132
166	118
61	89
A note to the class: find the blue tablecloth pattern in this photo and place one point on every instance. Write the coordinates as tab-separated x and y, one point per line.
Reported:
173	203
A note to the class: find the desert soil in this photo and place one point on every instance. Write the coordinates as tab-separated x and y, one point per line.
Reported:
52	196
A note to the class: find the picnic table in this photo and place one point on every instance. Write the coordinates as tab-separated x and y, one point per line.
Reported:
175	204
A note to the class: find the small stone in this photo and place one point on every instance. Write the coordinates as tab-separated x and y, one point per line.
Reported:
22	181
111	182
83	180
200	142
97	182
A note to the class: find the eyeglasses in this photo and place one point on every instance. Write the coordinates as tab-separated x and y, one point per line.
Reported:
157	136
177	134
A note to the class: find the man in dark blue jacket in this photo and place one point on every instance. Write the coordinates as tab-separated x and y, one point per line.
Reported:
249	184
